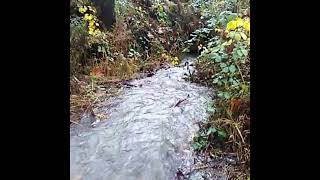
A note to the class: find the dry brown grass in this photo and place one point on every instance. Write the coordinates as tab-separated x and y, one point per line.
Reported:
106	73
237	127
237	172
78	100
116	66
238	141
120	37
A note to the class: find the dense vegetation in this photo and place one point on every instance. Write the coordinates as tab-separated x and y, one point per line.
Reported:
148	35
224	64
145	37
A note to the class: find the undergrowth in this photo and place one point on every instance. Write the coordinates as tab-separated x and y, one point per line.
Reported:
146	36
223	43
150	34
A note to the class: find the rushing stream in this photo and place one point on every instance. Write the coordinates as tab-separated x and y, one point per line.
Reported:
147	132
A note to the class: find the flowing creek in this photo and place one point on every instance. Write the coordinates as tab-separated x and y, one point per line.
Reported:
147	133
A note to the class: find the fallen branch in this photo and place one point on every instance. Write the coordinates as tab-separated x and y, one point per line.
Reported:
128	84
179	102
240	133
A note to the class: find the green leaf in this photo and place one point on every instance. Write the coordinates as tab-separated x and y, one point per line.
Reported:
224	81
195	146
218	58
237	36
211	109
211	130
231	34
212	56
239	52
220	94
230	17
222	134
235	83
99	49
235	57
103	49
222	65
225	69
215	49
215	80
244	52
232	68
226	95
210	44
224	56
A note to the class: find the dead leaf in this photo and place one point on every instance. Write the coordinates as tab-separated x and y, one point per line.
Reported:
150	35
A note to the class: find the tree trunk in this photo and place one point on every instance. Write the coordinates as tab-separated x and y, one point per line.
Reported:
106	13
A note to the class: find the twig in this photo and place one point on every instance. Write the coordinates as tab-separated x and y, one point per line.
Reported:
179	102
128	84
239	133
75	78
240	73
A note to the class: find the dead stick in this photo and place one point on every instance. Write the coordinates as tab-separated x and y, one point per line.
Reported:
179	102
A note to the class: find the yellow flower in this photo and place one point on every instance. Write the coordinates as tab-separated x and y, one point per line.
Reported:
174	62
239	22
91	23
98	31
232	25
87	17
90	30
246	26
248	41
97	24
83	9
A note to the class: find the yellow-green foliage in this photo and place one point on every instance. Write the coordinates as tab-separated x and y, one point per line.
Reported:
89	16
173	60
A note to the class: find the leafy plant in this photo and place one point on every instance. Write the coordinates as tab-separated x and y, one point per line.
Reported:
78	45
228	54
213	135
224	63
162	16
